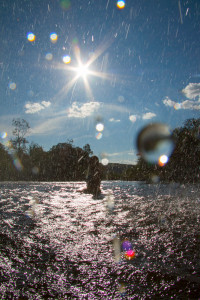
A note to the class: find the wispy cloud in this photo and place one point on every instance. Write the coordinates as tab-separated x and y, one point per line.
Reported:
192	90
187	104
127	156
49	126
148	116
79	110
32	108
114	120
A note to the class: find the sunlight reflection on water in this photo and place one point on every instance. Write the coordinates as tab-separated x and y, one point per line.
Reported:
75	246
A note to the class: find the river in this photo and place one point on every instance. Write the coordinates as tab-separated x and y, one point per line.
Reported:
57	243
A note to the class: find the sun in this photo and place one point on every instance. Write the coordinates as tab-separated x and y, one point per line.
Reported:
82	71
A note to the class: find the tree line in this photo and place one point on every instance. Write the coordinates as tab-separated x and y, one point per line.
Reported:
65	162
183	165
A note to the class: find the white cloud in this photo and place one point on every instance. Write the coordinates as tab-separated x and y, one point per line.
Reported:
114	120
187	104
127	156
169	102
192	90
78	110
32	108
148	116
46	103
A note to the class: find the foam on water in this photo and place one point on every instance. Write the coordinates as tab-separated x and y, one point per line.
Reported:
57	242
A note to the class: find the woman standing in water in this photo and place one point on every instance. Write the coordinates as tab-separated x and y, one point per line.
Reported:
94	176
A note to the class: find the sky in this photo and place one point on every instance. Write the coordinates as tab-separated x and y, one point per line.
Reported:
97	73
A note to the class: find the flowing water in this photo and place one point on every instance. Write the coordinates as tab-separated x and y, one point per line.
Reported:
57	243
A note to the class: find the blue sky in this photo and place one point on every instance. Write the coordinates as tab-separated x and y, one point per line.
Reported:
142	64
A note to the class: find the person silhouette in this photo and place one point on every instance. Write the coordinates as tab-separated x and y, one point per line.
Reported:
93	177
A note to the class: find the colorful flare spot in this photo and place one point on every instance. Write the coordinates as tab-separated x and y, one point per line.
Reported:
18	164
99	136
133	118
65	4
4	135
12	85
66	59
99	127
75	41
177	106
49	56
31	37
163	159
53	37
130	254
126	245
121	4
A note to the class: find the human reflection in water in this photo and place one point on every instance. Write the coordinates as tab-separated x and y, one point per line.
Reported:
93	177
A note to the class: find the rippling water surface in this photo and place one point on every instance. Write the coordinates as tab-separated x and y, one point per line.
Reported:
57	243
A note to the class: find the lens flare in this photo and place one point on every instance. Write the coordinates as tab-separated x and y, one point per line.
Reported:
65	4
31	37
126	245
177	106
4	135
110	202
116	248
122	289
130	254
133	118
99	135
120	4
53	37
104	161
49	56
99	127
35	170
17	163
12	85
163	159
66	59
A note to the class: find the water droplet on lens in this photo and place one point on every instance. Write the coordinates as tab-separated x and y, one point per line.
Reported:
155	143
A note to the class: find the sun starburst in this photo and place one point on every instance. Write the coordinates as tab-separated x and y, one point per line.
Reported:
81	70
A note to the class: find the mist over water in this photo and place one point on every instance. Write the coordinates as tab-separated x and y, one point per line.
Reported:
56	243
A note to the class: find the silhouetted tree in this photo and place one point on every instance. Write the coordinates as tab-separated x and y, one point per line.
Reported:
21	128
87	149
